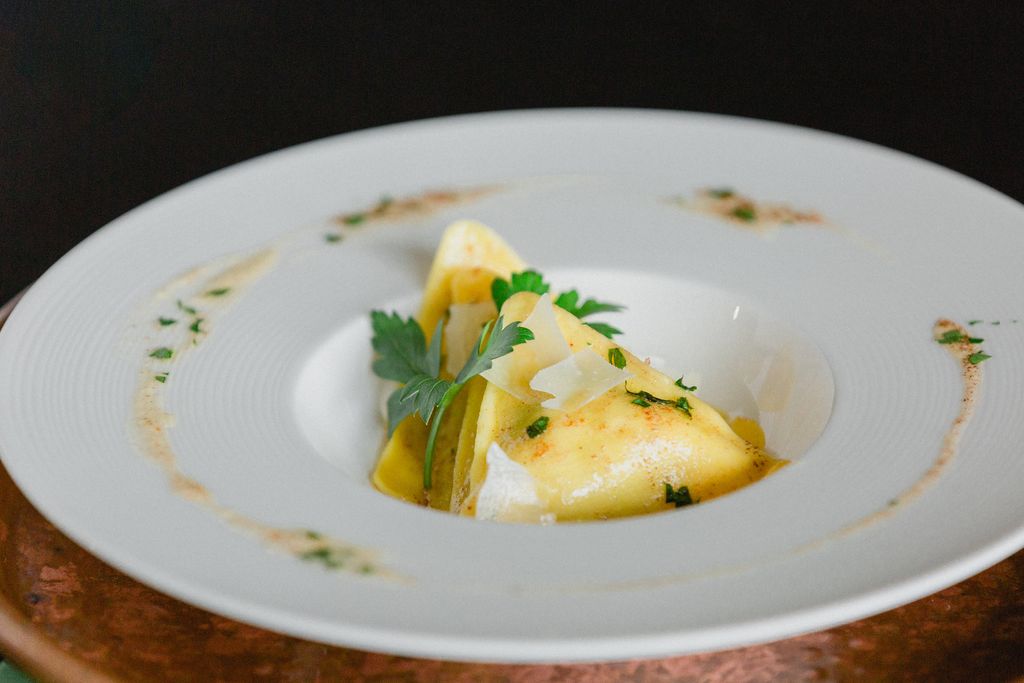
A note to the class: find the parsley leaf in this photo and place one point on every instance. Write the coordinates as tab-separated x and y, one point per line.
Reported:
398	410
680	496
616	358
570	302
424	393
526	281
978	357
720	192
605	329
220	291
403	348
163	353
538	426
186	309
164	322
532	281
499	343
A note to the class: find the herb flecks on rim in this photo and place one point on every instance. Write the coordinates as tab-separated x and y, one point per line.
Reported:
955	336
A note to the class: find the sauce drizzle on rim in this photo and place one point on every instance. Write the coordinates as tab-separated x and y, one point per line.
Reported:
204	302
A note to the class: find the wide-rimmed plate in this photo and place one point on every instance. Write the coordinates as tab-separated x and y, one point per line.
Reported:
252	497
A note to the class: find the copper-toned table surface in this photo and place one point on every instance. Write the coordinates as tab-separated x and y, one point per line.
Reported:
67	616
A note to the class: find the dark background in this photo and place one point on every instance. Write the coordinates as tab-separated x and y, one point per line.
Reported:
104	107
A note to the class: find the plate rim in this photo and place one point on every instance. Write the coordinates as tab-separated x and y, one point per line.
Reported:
957	570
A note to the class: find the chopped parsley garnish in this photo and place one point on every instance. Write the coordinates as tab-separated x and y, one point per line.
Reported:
538	426
994	322
354	218
164	322
332	237
162	377
978	357
403	356
680	496
744	213
684	405
526	281
220	291
195	325
186	309
616	358
721	192
974	322
679	383
645	399
163	353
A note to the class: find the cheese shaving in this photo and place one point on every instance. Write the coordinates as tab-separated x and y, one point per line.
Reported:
509	493
577	380
513	372
463	330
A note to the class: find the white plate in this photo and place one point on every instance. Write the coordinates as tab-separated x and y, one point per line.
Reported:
276	409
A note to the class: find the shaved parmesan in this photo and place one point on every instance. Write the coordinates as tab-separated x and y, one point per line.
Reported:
514	371
462	331
509	493
578	380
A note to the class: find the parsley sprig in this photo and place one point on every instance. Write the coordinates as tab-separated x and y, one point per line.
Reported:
403	356
532	281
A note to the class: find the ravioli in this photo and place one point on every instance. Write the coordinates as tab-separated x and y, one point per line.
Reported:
612	457
467	260
617	438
